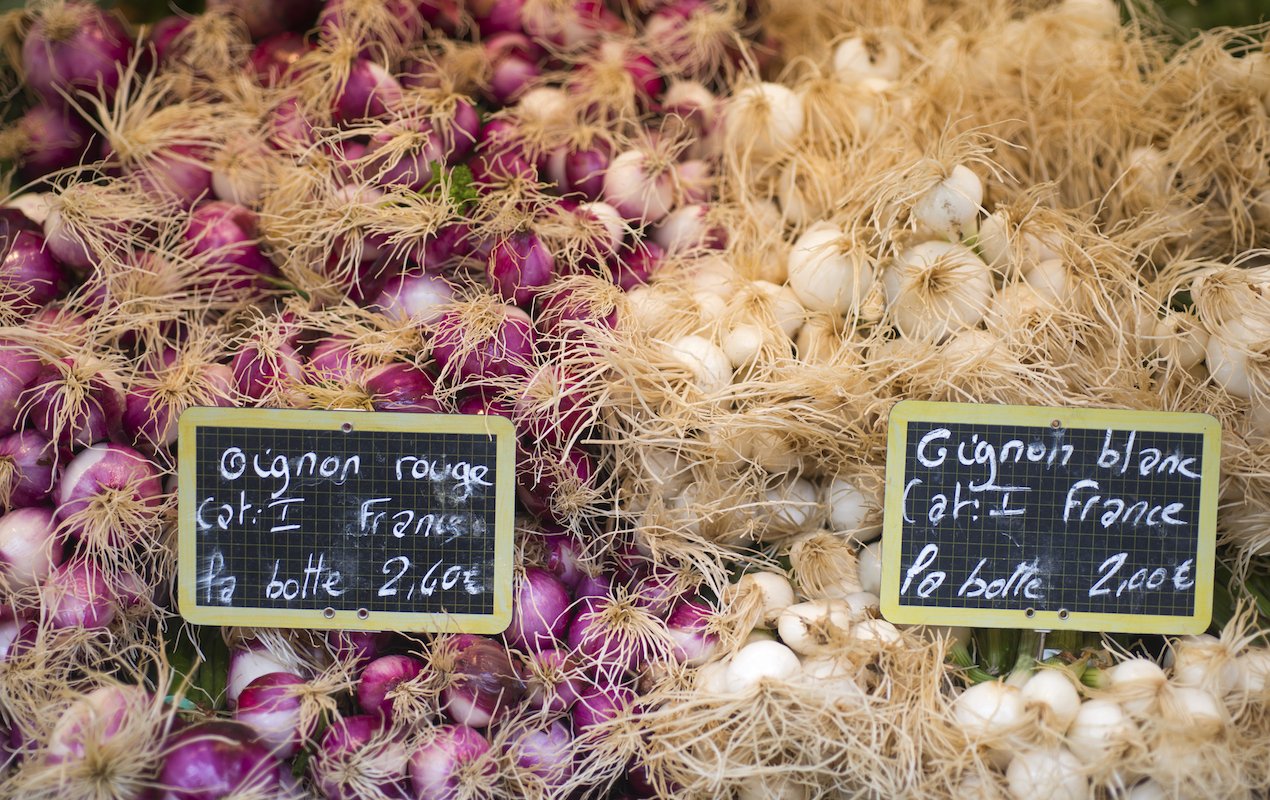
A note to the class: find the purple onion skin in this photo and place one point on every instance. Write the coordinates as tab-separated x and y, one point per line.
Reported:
97	420
563	558
346	738
271	707
272	59
216	759
584	169
77	594
497	16
656	589
556	697
17	221
565	315
334	23
402	387
267	17
540	611
486	683
245	665
515	62
546	752
479	401
32	461
181	172
288	127
597	586
255	375
635	267
225	234
333	360
689	625
555	421
358	647
537	492
55	139
30	547
164	35
415	297
520	266
380	677
370	92
437	767
509	352
19	368
78	48
152	428
598	703
102	468
30	277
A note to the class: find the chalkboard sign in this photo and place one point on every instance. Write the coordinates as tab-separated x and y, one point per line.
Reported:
346	519
1050	518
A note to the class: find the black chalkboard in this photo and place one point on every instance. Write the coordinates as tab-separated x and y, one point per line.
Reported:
1007	516
345	519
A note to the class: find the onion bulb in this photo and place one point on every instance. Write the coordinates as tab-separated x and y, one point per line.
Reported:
935	289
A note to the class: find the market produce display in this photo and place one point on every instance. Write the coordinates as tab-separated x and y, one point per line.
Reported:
695	250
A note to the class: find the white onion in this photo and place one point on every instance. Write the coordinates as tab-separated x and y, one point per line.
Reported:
1180	339
988	710
711	370
774	589
1254	671
950	208
786	308
1051	279
1052	773
1054	697
791	504
1136	684
861	57
712	678
1228	362
742	344
765	119
869	567
848	506
827	271
817	627
937	288
1205	661
1100	731
759	662
876	630
773	787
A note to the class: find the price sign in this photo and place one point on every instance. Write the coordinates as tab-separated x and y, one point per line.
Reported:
1050	518
346	519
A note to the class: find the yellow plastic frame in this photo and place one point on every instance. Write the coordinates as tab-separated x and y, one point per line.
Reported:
1040	416
505	490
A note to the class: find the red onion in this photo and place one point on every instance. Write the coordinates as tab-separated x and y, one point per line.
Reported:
541	486
17	635
51	138
358	647
544	751
275	55
27	469
225	235
622	58
150	419
76	403
181	172
552	407
484	400
450	241
289	128
333	361
655	588
380	678
106	478
608	632
75	46
570	25
378	26
407	148
584	169
164	37
273	708
267	17
563	558
369	92
218	759
514	60
599	703
639	780
247	663
77	594
484	682
636	266
540	611
566	312
496	16
402	387
640	185
553	679
93	719
451	764
696	179
483	338
357	761
29	275
414	297
689	626
519	266
19	368
30	547
502	154
261	370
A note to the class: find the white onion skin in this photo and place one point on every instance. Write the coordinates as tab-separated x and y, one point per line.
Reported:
1046	774
765	119
774	589
1100	730
869	567
956	308
950	208
1051	693
761	661
825	273
710	367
